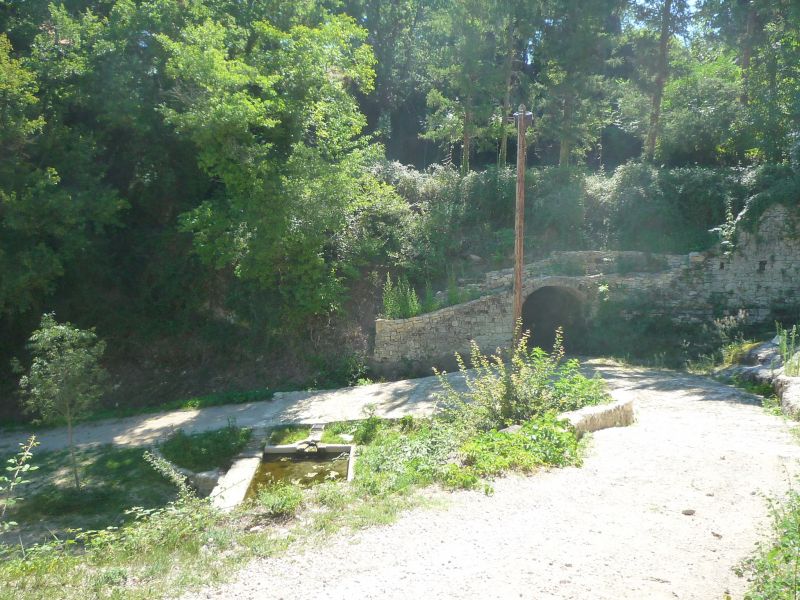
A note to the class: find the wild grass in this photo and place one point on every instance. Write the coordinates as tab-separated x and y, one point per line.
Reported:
207	450
788	349
774	570
113	481
287	434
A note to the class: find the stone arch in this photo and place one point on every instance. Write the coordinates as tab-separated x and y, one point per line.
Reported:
549	306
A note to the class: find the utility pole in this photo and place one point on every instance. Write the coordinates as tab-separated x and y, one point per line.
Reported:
523	119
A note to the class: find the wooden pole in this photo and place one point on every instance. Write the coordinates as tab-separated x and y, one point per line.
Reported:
523	119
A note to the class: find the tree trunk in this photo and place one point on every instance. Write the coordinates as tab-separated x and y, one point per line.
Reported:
661	79
466	140
564	144
747	49
72	458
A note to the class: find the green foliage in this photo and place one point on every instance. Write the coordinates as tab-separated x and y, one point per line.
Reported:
787	346
337	370
280	499
113	480
703	112
400	300
65	379
288	434
207	450
531	382
773	571
657	210
18	466
541	441
367	429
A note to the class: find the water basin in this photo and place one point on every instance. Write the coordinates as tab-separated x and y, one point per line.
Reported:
282	464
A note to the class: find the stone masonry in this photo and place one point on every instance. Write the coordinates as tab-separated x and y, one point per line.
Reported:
759	278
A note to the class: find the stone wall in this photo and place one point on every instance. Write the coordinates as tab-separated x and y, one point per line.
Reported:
434	337
760	277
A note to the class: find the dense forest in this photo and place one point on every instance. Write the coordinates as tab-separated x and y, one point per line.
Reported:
220	187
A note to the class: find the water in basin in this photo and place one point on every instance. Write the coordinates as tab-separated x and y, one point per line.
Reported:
300	468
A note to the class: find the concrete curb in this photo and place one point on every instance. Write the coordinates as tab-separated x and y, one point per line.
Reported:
232	486
603	416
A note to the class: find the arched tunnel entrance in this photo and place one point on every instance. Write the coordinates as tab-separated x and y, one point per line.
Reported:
549	308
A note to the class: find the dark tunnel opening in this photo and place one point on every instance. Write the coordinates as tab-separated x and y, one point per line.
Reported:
549	308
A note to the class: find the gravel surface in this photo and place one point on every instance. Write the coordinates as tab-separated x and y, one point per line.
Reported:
662	509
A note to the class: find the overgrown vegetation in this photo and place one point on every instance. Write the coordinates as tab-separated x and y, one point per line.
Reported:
775	569
207	450
114	480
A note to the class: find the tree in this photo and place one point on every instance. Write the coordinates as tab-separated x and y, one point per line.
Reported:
65	379
575	44
273	117
668	18
702	115
468	82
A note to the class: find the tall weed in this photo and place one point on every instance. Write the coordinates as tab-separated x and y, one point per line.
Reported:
787	345
504	390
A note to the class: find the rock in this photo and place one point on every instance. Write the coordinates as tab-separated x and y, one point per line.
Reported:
696	258
688	511
475	258
205	481
511	429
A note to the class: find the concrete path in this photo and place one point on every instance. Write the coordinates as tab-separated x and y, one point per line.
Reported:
663	509
395	399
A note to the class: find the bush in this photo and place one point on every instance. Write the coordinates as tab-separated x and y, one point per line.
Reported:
530	384
367	429
541	441
400	301
205	451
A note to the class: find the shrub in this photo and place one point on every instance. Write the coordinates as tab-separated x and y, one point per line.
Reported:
367	429
531	383
400	300
17	467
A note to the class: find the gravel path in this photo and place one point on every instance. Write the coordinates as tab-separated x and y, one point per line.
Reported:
613	529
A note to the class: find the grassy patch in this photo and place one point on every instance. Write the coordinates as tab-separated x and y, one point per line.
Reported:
288	434
207	450
332	434
769	400
113	481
